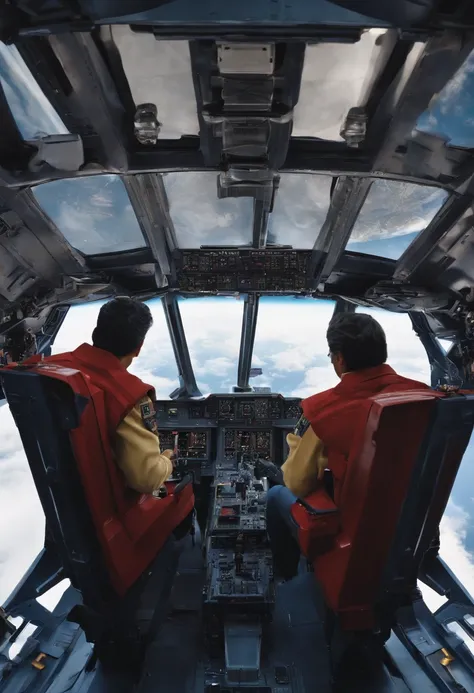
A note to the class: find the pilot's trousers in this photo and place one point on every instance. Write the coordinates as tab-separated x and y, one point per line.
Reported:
282	532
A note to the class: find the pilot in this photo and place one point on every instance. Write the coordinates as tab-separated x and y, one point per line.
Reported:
117	339
323	436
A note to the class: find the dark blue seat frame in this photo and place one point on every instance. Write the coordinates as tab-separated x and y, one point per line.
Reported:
412	556
45	410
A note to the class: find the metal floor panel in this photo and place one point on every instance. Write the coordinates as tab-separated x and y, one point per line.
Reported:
177	661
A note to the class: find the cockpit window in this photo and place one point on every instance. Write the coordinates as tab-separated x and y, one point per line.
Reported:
449	115
212	327
156	363
301	206
406	354
290	346
394	213
93	213
333	81
200	218
34	115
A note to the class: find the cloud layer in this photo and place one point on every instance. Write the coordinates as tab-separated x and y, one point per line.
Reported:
93	213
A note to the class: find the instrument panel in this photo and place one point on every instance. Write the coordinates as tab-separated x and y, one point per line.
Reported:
230	427
273	271
242	407
191	444
247	443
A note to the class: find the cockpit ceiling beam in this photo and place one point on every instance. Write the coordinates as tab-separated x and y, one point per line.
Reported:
247	339
343	306
187	381
452	221
443	370
142	191
426	71
347	199
59	258
15	153
260	224
93	98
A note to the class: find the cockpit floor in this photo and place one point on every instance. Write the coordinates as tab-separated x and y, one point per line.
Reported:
177	660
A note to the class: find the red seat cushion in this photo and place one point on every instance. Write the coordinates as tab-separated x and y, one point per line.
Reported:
379	469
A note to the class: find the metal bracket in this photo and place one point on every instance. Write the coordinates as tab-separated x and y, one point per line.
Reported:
61	152
246	58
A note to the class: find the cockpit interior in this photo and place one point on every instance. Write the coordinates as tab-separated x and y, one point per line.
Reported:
320	153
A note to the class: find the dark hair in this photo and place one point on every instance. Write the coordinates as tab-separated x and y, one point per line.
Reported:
359	339
122	326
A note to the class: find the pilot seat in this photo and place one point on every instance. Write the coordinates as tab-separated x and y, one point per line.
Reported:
115	545
368	550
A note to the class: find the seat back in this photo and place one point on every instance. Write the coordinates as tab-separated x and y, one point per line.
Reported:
45	410
381	498
428	494
62	424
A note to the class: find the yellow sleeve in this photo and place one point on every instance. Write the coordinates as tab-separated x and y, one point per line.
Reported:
305	463
137	452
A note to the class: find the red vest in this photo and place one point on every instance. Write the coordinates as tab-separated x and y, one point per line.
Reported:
131	527
121	389
338	415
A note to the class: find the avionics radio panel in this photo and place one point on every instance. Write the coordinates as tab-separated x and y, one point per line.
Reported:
190	444
272	271
246	409
245	443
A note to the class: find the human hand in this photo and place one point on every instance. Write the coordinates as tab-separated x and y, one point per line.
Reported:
170	454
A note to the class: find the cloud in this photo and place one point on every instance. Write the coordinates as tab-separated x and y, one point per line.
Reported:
200	217
448	115
301	205
395	208
93	213
159	72
333	80
454	528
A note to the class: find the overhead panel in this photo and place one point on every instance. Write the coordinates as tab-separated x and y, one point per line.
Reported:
34	115
93	213
159	73
334	80
201	218
450	114
245	93
300	209
393	215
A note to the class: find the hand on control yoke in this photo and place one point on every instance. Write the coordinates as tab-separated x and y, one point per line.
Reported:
171	455
269	470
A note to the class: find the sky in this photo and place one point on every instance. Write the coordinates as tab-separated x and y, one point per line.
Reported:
291	349
450	113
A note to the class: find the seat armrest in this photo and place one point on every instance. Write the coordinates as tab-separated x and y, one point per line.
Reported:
318	502
317	511
185	481
318	520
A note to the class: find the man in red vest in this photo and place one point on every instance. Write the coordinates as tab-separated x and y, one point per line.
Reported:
324	434
121	329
